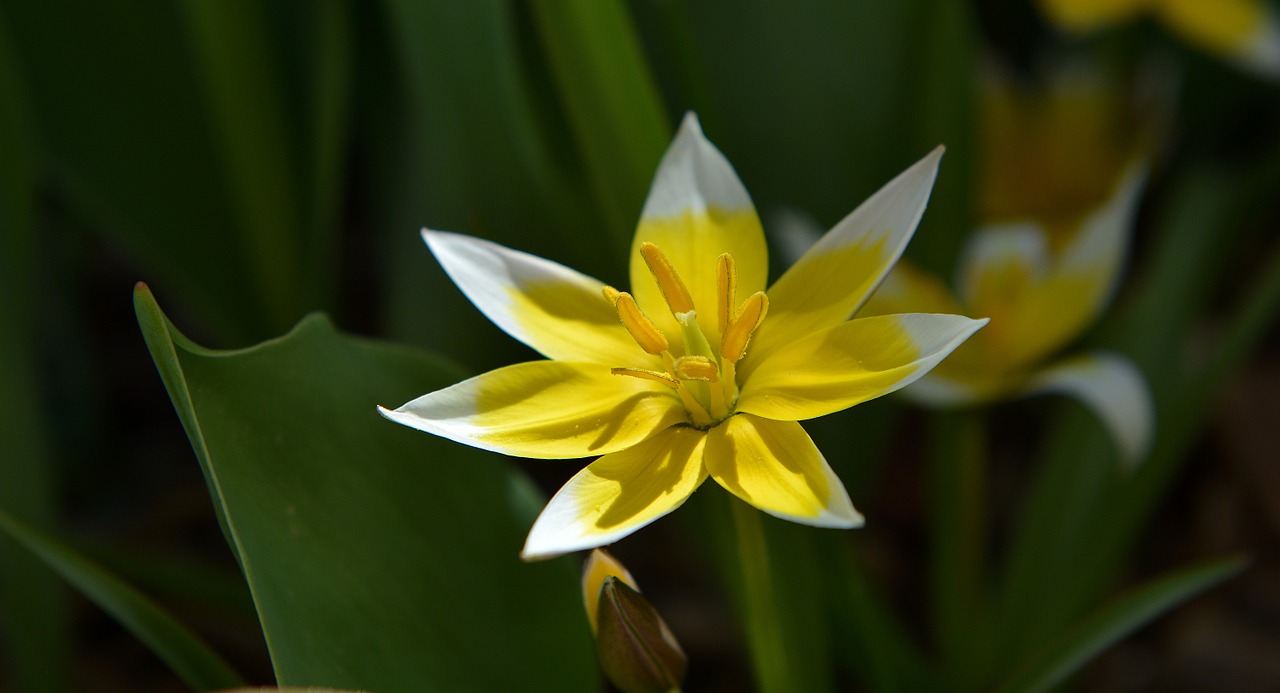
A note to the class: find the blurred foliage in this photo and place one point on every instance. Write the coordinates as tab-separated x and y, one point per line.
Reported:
254	162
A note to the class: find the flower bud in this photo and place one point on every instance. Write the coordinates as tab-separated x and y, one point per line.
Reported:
636	649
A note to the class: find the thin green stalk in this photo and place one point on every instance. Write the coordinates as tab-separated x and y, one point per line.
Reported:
763	620
782	604
958	517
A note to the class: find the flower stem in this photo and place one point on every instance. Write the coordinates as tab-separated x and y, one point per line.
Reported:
760	611
780	603
958	502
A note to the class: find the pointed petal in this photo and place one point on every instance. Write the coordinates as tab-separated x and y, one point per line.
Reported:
850	363
1113	388
619	493
774	466
1037	304
555	310
832	281
696	210
545	410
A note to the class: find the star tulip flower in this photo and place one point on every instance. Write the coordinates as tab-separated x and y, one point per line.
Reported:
1045	267
698	371
1244	31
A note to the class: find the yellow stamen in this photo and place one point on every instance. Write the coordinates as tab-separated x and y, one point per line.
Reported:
647	375
610	294
673	289
697	368
726	287
733	344
649	338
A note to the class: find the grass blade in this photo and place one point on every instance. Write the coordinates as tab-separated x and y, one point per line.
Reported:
189	657
1112	623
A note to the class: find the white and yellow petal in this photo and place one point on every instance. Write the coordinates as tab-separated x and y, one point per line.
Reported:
697	209
545	410
1113	389
620	493
850	363
774	466
557	311
1057	303
838	274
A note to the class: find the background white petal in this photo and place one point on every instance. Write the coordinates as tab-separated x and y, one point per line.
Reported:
1113	388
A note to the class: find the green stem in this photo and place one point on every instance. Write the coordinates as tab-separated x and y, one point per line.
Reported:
958	501
761	614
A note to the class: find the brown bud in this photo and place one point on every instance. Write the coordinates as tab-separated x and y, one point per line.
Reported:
637	651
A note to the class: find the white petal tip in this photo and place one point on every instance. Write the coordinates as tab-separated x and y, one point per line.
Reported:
691	124
1115	390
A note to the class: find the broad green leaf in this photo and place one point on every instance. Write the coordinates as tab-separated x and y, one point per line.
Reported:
1113	622
379	558
186	654
609	95
33	613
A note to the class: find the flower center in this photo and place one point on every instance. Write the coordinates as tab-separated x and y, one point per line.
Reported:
704	378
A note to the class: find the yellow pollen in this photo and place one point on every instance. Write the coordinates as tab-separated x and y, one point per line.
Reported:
726	287
673	289
649	338
697	368
610	294
647	375
733	344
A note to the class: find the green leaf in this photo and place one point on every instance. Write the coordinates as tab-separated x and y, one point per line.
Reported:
460	145
609	94
33	612
941	110
873	644
232	46
290	689
379	558
1112	623
186	654
958	524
